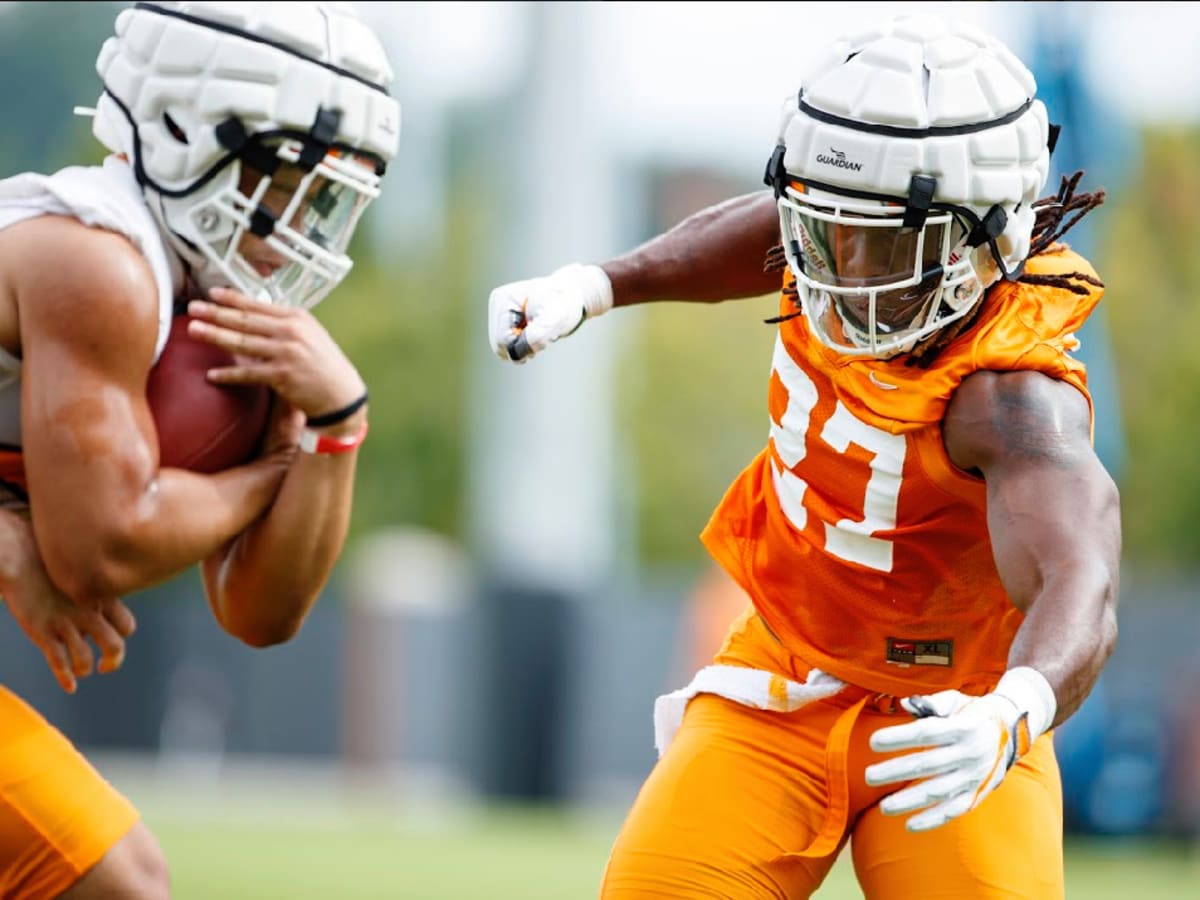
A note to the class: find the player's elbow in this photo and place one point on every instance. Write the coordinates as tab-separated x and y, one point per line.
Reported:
261	635
260	628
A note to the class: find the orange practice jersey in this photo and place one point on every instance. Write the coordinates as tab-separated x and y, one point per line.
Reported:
863	547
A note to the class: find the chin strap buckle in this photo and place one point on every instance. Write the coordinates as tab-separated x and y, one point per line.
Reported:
1052	137
320	137
921	189
775	176
990	227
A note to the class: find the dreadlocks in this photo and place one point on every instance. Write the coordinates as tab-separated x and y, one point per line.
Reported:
1049	226
776	261
1055	216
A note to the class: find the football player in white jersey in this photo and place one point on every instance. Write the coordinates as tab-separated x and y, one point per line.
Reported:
246	139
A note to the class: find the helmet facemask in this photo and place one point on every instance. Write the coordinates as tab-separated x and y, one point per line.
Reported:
279	237
875	279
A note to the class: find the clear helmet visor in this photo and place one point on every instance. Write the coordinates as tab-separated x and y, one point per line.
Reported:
869	284
313	215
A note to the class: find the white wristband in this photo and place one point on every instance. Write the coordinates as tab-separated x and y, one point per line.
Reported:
593	284
1029	690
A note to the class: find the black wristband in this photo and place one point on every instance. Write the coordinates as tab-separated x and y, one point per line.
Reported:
338	415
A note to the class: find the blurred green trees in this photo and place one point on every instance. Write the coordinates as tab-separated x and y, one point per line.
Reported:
47	66
404	323
693	403
1148	240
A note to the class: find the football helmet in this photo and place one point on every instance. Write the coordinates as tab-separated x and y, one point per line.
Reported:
258	132
905	173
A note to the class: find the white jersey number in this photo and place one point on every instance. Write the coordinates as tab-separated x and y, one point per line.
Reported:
849	539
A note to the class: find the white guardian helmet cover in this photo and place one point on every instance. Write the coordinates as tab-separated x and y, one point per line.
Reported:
905	172
205	98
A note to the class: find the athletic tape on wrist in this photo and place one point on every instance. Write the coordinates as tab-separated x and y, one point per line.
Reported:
1029	690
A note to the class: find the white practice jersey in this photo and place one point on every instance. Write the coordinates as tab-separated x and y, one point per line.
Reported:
106	196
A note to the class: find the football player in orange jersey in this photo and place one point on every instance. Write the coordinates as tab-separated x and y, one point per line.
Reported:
246	141
929	541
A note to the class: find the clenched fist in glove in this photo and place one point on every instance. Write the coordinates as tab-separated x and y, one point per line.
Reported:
525	317
972	741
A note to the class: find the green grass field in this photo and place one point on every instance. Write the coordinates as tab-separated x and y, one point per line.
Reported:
516	855
299	838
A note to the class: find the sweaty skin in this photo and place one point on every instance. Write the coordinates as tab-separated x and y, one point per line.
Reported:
1026	433
84	304
88	323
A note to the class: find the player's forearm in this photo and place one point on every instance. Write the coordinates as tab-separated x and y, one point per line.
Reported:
1069	633
177	519
262	588
716	254
1071	586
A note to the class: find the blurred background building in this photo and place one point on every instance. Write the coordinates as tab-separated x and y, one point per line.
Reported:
524	574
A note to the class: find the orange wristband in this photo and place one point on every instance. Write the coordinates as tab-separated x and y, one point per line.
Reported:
311	442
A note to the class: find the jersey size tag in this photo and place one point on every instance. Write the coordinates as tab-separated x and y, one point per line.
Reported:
919	653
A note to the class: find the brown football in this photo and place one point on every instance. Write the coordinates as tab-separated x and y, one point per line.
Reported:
202	426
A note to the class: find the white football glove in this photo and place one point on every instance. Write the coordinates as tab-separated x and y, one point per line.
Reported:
525	317
975	742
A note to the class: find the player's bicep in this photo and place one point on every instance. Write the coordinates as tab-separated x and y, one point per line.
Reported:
85	431
88	330
1052	507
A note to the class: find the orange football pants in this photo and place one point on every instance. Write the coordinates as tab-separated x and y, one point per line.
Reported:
58	816
747	803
